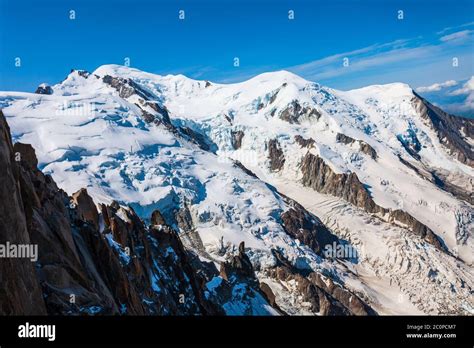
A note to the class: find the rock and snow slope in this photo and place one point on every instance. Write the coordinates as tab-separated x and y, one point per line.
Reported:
386	171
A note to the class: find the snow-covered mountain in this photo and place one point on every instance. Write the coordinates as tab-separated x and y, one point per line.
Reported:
283	164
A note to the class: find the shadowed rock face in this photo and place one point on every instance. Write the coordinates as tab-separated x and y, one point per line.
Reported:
20	292
363	146
27	155
197	138
304	142
367	149
128	87
452	131
442	180
239	265
306	228
44	89
237	139
295	113
86	209
323	296
319	176
157	218
275	154
117	266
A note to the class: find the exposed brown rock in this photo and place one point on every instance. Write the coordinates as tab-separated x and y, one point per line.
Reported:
85	207
27	154
157	218
363	146
275	154
367	149
306	228
126	269
345	139
274	96
295	113
236	138
453	131
268	293
128	87
323	299
195	137
319	176
244	169
20	293
184	219
304	142
238	270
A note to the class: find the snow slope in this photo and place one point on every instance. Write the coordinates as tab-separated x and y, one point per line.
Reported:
87	134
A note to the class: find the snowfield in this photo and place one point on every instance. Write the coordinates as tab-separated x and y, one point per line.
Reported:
93	135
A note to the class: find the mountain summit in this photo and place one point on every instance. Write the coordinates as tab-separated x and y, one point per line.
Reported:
267	180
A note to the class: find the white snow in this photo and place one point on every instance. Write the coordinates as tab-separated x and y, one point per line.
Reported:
85	135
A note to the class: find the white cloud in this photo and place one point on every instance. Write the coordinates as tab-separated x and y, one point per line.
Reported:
467	88
437	86
463	101
457	36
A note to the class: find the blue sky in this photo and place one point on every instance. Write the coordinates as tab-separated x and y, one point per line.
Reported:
380	47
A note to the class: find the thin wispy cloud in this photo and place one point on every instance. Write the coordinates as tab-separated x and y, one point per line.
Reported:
437	86
457	36
359	64
447	29
397	60
334	65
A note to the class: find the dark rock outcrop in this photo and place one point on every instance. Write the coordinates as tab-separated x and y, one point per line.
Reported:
363	146
160	110
197	138
184	219
84	73
345	139
275	154
44	89
157	218
367	149
128	87
20	292
319	176
94	264
323	295
295	113
85	208
236	139
268	294
238	283
452	130
304	142
245	169
26	154
307	228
